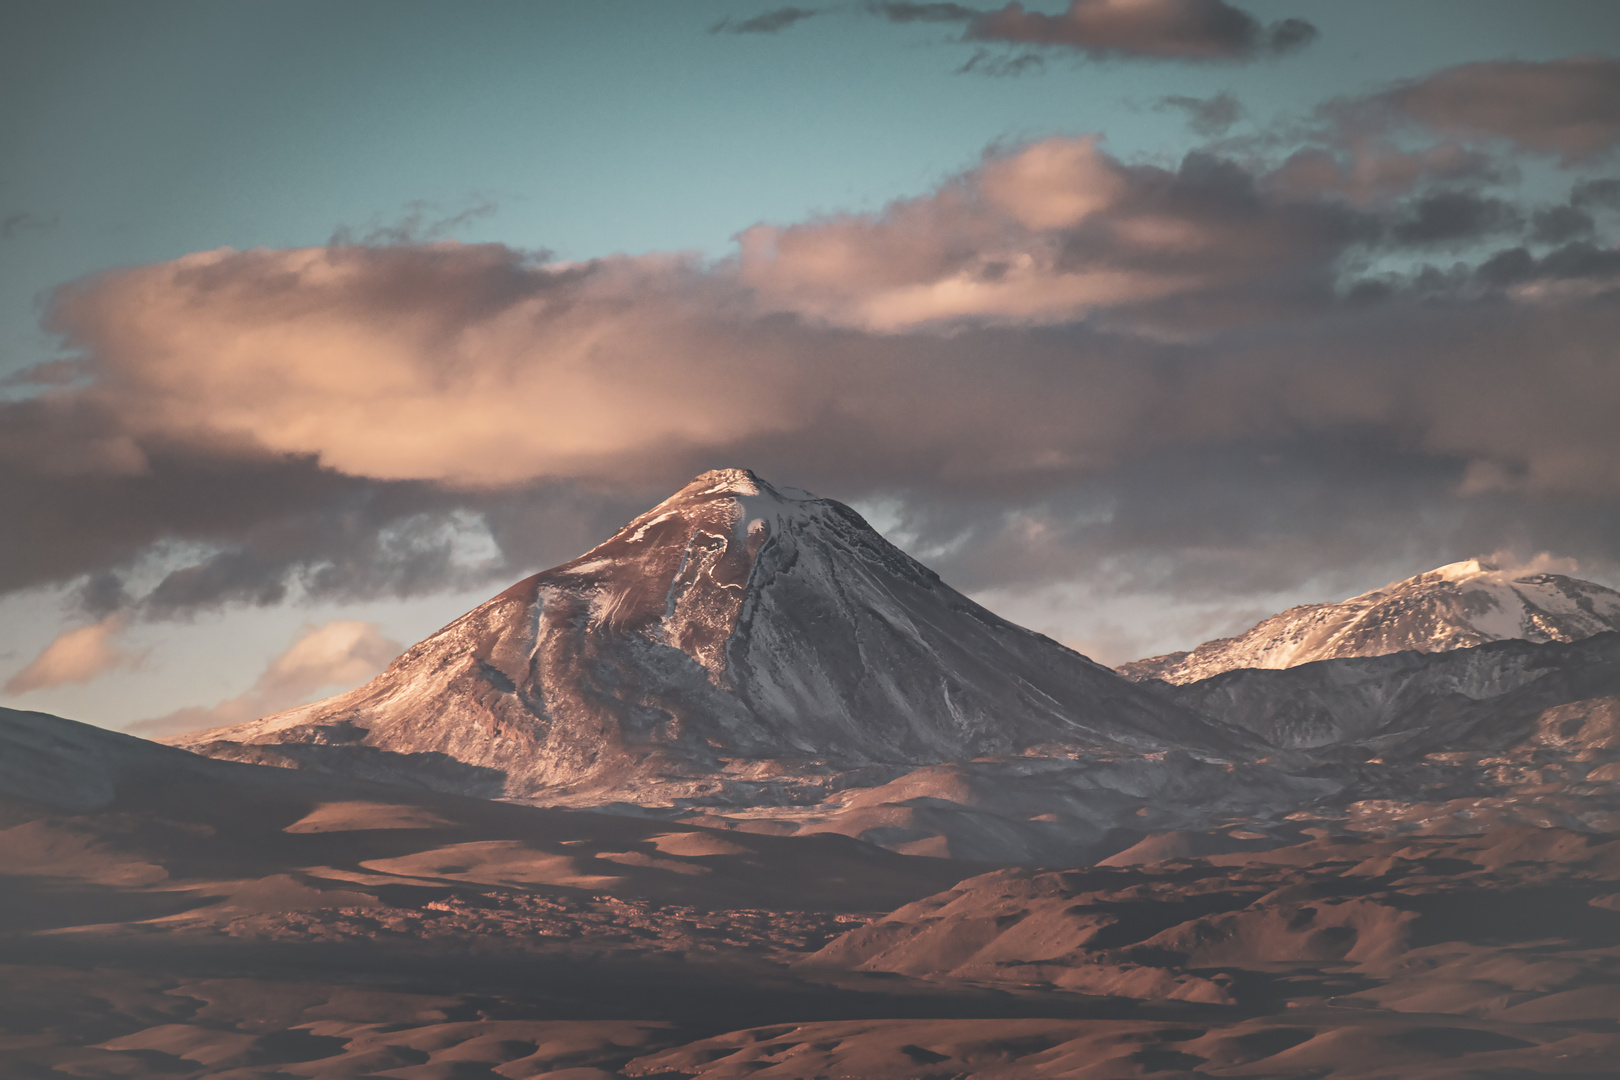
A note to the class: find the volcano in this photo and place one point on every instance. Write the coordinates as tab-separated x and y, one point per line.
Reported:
731	632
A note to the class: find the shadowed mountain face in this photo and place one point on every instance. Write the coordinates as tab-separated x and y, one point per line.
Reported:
1488	697
731	627
1454	607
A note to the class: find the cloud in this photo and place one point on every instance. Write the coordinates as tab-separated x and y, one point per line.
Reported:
336	656
898	11
463	363
1579	267
1555	224
1161	29
340	653
187	528
1045	234
1369	171
1602	193
1205	116
1454	216
15	225
421	221
75	656
1461	127
1542	562
1566	107
1056	365
770	22
998	65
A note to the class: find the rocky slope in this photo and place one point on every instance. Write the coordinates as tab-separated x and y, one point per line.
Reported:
734	637
1486	697
1454	607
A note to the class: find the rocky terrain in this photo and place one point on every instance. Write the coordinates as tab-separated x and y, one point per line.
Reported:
169	916
1453	607
1413	702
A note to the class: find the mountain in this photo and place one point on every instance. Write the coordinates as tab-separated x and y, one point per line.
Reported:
735	636
1558	695
1454	607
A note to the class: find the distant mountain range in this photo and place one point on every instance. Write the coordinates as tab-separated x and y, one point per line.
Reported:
1412	703
1454	607
757	658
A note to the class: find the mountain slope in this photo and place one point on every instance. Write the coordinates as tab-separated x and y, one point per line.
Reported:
732	625
1454	607
1490	696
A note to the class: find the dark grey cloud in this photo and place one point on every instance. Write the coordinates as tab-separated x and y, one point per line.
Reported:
769	22
1206	116
1001	65
1162	29
185	529
899	11
1290	34
256	520
1555	224
1581	259
1603	192
1576	261
15	225
1450	217
420	221
1243	519
226	530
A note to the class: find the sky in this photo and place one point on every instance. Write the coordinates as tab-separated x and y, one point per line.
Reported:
1138	320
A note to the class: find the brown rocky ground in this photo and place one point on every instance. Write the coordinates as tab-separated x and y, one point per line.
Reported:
169	917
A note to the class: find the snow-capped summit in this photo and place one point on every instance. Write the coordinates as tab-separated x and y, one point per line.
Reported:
733	623
1456	606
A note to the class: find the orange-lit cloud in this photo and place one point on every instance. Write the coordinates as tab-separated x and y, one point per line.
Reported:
474	367
75	656
1205	360
1047	233
332	657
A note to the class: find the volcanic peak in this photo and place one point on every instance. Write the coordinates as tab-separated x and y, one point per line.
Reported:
733	622
682	573
755	501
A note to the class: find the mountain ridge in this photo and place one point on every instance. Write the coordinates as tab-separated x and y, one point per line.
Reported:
1456	606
